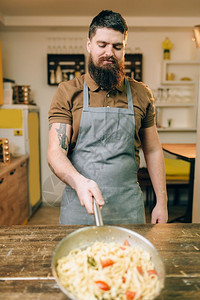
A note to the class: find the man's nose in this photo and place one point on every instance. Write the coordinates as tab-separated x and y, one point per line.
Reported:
109	50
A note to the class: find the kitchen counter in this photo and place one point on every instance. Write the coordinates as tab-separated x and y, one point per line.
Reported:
14	162
26	252
14	205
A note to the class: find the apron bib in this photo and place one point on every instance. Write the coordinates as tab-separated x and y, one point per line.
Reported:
105	153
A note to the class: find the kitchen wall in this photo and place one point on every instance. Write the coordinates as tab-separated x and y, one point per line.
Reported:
24	60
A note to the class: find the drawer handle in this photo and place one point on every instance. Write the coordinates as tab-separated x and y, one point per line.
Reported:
13	172
1	180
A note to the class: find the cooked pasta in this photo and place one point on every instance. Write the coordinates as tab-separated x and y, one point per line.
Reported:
109	271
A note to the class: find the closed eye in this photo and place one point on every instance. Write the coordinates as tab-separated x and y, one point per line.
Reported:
118	46
102	44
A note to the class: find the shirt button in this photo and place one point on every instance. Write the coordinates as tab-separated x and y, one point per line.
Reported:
108	95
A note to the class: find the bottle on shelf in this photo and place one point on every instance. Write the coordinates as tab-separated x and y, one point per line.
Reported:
71	75
166	54
58	74
167	46
132	74
64	76
137	50
52	77
137	74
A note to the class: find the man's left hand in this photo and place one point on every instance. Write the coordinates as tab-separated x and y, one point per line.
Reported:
159	214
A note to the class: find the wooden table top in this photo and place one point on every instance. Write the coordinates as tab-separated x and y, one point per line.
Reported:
26	252
182	150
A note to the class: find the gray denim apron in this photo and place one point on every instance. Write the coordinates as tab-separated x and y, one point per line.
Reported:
105	153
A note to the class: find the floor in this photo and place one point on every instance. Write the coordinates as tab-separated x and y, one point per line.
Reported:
48	215
45	215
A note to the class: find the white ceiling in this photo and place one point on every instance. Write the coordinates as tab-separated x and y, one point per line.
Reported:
152	8
62	14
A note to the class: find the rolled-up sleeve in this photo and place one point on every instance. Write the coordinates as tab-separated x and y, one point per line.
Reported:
60	108
149	118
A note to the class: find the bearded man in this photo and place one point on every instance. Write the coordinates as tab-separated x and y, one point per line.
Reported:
97	123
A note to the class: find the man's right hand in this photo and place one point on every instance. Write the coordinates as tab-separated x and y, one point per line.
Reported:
87	189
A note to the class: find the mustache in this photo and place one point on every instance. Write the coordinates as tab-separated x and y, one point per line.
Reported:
108	58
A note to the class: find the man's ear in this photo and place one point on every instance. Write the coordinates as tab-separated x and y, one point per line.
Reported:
125	46
125	40
88	45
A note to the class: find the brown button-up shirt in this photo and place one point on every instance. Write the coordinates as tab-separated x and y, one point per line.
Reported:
67	104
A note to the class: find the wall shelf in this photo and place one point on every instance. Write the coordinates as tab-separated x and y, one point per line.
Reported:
178	82
180	69
134	65
68	63
178	99
174	105
171	129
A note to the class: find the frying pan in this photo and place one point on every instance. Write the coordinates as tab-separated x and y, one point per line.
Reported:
86	236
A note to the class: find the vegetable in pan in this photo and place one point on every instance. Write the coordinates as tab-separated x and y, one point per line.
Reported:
109	271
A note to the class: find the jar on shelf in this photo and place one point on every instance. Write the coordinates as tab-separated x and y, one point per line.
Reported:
77	72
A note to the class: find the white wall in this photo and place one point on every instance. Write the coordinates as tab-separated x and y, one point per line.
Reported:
25	61
150	44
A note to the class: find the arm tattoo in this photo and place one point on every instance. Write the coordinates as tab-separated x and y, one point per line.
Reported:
50	126
63	140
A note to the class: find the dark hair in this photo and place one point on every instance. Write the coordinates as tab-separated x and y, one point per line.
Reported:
108	19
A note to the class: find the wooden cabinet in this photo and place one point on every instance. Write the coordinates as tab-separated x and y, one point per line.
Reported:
14	192
3	201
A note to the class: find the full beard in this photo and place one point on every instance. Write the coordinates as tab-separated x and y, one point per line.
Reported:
107	76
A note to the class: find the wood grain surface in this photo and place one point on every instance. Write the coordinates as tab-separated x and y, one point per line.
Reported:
26	252
181	150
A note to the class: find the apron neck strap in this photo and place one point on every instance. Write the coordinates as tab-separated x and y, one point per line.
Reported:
85	96
128	93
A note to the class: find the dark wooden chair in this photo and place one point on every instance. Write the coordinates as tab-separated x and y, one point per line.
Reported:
177	178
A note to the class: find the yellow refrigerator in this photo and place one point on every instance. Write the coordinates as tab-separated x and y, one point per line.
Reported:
20	124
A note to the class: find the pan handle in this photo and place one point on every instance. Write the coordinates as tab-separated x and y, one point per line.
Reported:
97	214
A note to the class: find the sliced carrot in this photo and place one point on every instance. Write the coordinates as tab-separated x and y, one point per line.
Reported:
126	243
152	272
130	295
139	268
107	262
123	248
102	285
